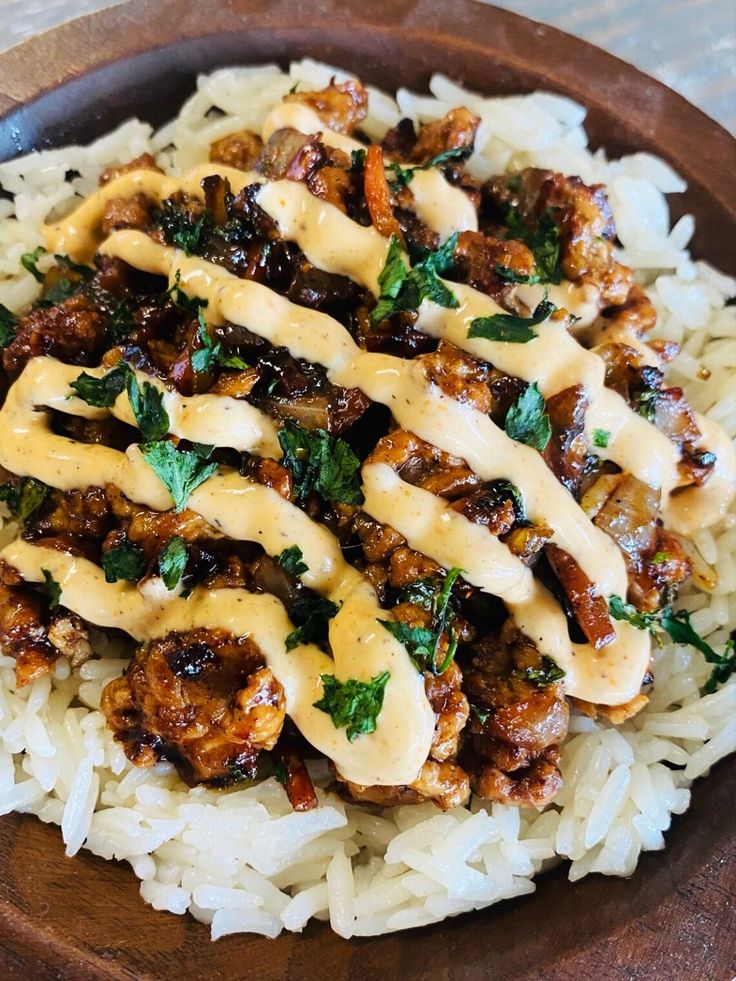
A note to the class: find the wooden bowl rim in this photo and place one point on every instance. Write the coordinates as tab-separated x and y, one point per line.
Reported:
546	57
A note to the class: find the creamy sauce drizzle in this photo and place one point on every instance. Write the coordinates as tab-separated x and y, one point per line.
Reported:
555	360
393	754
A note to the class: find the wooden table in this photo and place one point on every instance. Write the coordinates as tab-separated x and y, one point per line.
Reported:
689	45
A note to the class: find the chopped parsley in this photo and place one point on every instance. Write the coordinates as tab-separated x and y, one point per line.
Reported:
321	463
101	392
357	161
645	403
50	589
403	288
482	715
527	422
543	242
507	327
353	704
65	286
292	561
24	497
549	673
180	227
311	613
601	438
172	561
125	561
422	643
29	261
181	471
659	558
120	323
402	176
211	355
147	402
511	276
8	320
677	625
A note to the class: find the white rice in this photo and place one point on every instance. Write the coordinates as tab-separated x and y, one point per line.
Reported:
241	860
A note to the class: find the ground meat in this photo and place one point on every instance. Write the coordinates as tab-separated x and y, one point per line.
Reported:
239	149
23	630
516	724
201	699
340	106
74	331
460	376
478	256
454	131
132	212
144	162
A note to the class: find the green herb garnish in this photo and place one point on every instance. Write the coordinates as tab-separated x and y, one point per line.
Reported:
311	613
506	327
292	561
677	625
543	242
321	463
211	355
8	322
512	276
527	422
29	261
123	562
147	404
352	703
403	288
24	497
50	589
542	677
181	471
645	403
172	561
422	643
601	438
402	176
101	392
180	227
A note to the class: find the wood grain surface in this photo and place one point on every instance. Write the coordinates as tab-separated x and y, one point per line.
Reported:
83	918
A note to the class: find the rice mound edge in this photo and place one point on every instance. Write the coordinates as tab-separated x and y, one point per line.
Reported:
241	860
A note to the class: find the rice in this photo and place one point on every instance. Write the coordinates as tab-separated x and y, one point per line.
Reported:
240	859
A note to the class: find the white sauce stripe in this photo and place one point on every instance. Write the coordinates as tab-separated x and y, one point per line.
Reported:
393	754
454	427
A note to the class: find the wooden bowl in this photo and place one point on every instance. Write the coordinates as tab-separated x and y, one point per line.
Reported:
83	918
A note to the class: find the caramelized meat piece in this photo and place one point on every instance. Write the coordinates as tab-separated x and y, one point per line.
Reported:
451	708
70	637
418	463
340	106
399	141
289	153
635	317
74	331
627	510
23	631
567	448
446	784
406	566
378	540
585	221
588	606
483	507
460	376
517	723
478	256
132	212
239	149
151	530
454	131
201	699
144	162
72	515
